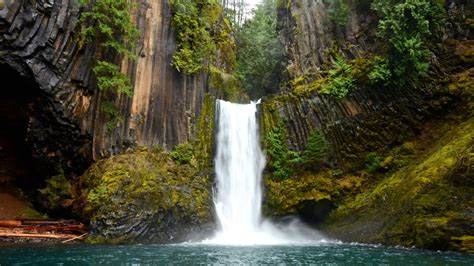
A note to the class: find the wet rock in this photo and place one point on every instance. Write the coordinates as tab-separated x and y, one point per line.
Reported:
145	197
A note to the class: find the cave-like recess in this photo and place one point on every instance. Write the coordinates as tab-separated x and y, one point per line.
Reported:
18	94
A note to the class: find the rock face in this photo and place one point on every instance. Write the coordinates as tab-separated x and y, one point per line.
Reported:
365	121
427	203
417	194
148	198
371	118
308	34
66	125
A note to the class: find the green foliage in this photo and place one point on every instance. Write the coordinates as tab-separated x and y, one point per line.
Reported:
338	11
381	71
373	161
57	190
283	4
340	82
203	35
260	55
109	23
290	195
282	159
406	25
316	148
183	153
112	114
109	77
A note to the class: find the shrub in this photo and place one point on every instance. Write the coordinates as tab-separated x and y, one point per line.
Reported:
281	159
373	161
340	81
57	190
406	25
183	153
109	23
316	149
203	34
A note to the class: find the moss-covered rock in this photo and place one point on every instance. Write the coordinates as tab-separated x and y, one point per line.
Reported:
292	195
145	197
427	203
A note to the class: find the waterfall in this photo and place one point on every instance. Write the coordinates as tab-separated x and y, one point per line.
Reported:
239	163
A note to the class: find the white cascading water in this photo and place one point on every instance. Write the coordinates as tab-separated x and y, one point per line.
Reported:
239	164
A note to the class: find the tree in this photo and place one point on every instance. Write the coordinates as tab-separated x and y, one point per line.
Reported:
260	55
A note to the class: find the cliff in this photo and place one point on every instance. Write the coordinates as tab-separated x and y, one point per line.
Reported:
382	166
372	116
66	124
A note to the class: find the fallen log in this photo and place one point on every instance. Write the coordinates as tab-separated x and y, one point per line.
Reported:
45	222
74	238
6	223
57	228
24	235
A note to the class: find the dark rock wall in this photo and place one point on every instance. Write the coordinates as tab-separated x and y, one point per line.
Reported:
307	33
365	121
36	40
67	125
369	119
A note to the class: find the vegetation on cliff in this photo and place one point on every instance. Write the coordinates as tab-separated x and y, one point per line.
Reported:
407	32
418	194
406	26
109	23
384	188
150	195
424	203
204	36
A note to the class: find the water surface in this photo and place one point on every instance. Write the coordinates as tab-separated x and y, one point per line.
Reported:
322	254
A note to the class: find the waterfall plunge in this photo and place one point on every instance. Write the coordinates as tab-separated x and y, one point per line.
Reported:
239	164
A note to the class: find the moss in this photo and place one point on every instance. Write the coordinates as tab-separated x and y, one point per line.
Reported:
227	84
128	188
301	88
463	84
287	196
463	243
204	137
30	213
465	51
425	203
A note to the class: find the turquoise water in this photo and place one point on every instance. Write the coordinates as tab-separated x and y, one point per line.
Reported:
324	254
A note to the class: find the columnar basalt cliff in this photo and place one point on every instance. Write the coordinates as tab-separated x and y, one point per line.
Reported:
387	167
47	71
66	125
309	34
372	116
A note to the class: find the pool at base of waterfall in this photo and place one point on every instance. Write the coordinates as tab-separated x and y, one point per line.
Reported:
191	254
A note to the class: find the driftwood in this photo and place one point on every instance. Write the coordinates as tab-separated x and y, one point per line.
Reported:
25	235
60	229
10	223
74	238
